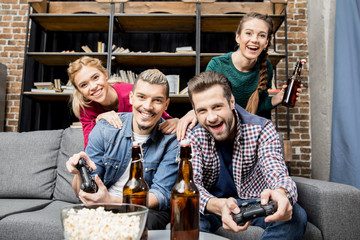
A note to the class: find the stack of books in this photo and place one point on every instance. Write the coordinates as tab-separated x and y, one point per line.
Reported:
49	87
186	50
44	87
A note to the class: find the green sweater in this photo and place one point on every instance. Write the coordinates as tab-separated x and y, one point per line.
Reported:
243	83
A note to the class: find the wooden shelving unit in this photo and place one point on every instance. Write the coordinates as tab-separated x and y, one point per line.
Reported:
114	19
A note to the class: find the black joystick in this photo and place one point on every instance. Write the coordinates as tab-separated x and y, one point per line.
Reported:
89	185
249	211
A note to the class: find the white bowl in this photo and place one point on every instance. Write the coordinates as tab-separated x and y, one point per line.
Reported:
103	221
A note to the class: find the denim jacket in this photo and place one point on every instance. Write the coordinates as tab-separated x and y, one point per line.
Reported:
110	149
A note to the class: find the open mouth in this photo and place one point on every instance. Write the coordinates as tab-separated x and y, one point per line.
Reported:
97	93
217	127
146	115
253	48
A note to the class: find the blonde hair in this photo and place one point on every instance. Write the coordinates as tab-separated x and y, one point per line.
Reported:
153	76
78	101
253	103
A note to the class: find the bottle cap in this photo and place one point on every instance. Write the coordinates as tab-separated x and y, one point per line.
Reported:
185	142
303	61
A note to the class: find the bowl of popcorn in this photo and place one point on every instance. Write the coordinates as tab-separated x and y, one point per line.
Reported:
103	221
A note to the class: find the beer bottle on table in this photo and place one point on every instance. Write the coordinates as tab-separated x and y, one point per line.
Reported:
185	213
293	84
136	190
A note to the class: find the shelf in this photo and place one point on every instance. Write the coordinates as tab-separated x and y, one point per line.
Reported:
63	59
225	16
174	98
230	22
205	58
56	97
156	59
156	23
72	22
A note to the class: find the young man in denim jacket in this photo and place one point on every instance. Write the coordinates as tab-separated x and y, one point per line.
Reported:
237	158
109	150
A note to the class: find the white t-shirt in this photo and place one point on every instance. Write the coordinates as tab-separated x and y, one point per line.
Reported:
117	188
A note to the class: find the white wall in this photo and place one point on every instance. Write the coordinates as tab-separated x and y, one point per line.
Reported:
321	27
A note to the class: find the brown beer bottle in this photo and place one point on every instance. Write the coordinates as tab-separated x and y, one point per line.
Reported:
185	212
136	190
293	84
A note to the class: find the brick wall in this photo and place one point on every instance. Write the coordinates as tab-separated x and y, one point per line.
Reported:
12	39
13	15
299	115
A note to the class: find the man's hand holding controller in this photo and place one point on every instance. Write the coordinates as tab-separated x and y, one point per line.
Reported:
249	211
81	166
277	209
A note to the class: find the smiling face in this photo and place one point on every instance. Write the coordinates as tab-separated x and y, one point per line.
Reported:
253	38
92	84
149	101
214	113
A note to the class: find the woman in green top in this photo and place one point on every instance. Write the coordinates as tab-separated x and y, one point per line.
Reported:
248	69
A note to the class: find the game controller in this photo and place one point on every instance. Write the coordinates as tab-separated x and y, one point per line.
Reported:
89	185
249	211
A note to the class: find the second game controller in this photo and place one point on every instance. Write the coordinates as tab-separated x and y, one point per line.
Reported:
249	211
89	185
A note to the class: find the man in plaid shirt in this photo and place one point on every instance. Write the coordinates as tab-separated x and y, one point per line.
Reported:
237	158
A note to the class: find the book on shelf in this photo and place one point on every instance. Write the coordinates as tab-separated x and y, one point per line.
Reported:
42	90
57	83
174	82
121	50
124	76
44	85
101	47
50	87
184	91
45	90
186	49
66	89
86	49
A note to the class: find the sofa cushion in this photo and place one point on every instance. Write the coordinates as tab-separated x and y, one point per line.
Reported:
327	202
312	232
28	162
13	206
72	142
37	225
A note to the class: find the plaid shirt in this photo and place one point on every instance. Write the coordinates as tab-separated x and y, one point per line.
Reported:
257	159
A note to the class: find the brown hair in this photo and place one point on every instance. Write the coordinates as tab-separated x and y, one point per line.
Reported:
253	102
153	76
206	80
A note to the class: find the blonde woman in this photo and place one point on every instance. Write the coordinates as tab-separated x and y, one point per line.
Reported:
96	97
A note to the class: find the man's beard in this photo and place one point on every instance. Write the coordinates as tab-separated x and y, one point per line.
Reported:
142	128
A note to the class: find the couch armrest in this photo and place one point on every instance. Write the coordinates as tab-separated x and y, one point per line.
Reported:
332	207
